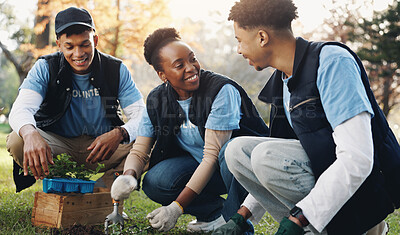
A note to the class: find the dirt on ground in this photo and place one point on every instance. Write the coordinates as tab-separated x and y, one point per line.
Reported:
78	229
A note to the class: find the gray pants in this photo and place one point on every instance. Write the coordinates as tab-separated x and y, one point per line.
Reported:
277	172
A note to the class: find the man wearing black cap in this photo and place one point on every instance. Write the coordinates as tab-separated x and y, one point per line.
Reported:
69	103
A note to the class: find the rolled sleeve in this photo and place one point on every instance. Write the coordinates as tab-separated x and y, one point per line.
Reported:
225	111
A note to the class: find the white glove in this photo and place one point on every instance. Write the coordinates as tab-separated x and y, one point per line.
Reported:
164	218
123	186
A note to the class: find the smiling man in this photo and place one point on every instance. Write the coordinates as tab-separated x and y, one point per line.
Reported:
331	163
69	103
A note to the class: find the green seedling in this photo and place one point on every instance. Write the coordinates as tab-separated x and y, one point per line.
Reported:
64	167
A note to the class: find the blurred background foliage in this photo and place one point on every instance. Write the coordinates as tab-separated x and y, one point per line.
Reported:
122	26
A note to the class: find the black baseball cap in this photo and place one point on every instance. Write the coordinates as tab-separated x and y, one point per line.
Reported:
73	16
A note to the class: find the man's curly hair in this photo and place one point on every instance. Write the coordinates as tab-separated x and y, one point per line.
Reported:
157	40
277	14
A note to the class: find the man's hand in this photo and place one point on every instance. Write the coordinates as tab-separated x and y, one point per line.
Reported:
104	146
237	225
288	227
165	217
123	186
37	152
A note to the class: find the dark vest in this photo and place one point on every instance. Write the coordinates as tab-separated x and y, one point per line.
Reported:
379	195
166	114
105	77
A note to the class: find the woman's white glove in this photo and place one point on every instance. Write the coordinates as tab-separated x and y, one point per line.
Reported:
123	186
164	218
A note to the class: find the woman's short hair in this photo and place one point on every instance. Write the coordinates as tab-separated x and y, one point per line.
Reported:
157	40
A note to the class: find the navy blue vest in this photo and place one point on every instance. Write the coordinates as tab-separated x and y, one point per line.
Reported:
379	195
105	77
166	114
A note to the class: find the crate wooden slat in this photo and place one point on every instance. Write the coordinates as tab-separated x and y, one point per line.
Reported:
61	211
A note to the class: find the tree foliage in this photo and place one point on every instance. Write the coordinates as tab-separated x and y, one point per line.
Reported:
379	40
375	38
8	85
20	34
121	25
343	15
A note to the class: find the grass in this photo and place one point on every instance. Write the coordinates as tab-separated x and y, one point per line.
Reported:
16	208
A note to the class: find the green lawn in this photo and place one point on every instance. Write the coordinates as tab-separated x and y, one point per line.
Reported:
16	208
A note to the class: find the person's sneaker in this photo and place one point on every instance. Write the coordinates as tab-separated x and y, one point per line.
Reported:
199	226
385	229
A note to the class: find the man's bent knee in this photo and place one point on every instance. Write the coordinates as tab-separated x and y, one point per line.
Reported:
265	161
157	193
15	146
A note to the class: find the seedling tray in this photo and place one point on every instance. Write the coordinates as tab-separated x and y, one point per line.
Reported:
70	185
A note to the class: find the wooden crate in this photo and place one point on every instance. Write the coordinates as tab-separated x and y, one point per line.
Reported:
63	210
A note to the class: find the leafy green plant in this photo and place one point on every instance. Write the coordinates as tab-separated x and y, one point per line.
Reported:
65	167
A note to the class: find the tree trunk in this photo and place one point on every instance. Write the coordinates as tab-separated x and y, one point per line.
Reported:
115	44
43	38
386	95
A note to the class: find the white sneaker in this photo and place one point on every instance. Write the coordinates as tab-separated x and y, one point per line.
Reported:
385	229
195	226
